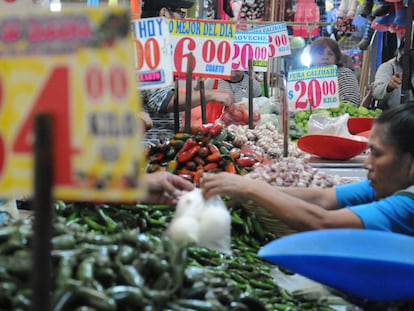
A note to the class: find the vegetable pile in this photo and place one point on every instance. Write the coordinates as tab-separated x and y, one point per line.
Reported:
117	262
209	148
299	122
238	114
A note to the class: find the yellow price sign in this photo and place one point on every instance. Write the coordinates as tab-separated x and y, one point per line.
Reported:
78	67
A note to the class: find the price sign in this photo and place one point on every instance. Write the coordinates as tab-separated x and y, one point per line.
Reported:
153	52
15	4
76	66
250	45
315	87
278	39
210	42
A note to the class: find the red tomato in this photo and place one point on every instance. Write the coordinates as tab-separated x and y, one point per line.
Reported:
237	115
226	118
246	116
256	115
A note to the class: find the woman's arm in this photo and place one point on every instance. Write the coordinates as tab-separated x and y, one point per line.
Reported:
299	208
382	78
224	97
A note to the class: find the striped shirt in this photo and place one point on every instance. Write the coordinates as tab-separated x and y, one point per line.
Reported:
239	89
155	102
348	87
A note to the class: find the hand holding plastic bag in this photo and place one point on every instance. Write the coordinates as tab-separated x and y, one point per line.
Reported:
201	222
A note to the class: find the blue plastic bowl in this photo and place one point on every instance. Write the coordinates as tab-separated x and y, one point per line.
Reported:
365	264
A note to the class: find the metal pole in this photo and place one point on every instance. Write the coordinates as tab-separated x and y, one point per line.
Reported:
41	276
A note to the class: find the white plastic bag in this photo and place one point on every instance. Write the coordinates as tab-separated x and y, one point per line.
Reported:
320	123
201	222
215	226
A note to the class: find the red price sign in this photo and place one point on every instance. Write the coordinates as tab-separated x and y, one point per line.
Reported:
153	57
316	87
279	44
90	94
210	42
250	45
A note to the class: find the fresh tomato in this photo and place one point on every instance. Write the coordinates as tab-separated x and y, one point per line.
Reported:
237	115
256	115
226	118
246	116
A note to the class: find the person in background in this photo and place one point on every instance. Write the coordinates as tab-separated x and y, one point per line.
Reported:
325	51
386	87
159	103
238	85
146	121
384	201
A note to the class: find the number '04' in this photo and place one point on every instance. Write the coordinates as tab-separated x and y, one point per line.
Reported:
54	99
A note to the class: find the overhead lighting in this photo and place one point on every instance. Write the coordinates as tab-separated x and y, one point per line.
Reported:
55	6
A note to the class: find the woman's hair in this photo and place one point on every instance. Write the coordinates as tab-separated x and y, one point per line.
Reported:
320	44
400	127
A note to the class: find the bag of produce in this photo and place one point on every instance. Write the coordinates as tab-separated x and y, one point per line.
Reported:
201	222
320	123
238	114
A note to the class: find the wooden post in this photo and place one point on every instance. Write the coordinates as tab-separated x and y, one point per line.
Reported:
407	58
41	276
202	100
176	105
188	92
250	64
285	114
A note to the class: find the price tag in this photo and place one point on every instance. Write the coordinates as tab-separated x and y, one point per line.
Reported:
15	4
250	45
210	42
153	52
315	87
77	67
278	39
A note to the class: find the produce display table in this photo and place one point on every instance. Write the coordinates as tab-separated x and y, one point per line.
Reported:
351	169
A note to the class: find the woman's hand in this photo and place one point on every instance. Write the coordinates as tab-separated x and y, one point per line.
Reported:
222	96
165	188
394	83
146	121
226	184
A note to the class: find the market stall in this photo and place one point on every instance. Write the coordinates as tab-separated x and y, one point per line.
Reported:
75	233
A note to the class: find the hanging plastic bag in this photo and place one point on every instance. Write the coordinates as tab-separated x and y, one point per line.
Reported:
215	226
200	222
238	114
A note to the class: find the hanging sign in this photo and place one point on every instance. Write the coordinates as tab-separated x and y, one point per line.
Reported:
210	42
251	45
311	88
15	4
76	66
153	52
279	44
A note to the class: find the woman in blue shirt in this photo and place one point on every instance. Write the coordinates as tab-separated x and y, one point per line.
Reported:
384	201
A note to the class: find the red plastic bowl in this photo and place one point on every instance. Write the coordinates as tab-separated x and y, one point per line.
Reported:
332	147
359	124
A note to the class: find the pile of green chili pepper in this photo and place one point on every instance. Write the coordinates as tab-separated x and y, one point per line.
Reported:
119	262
